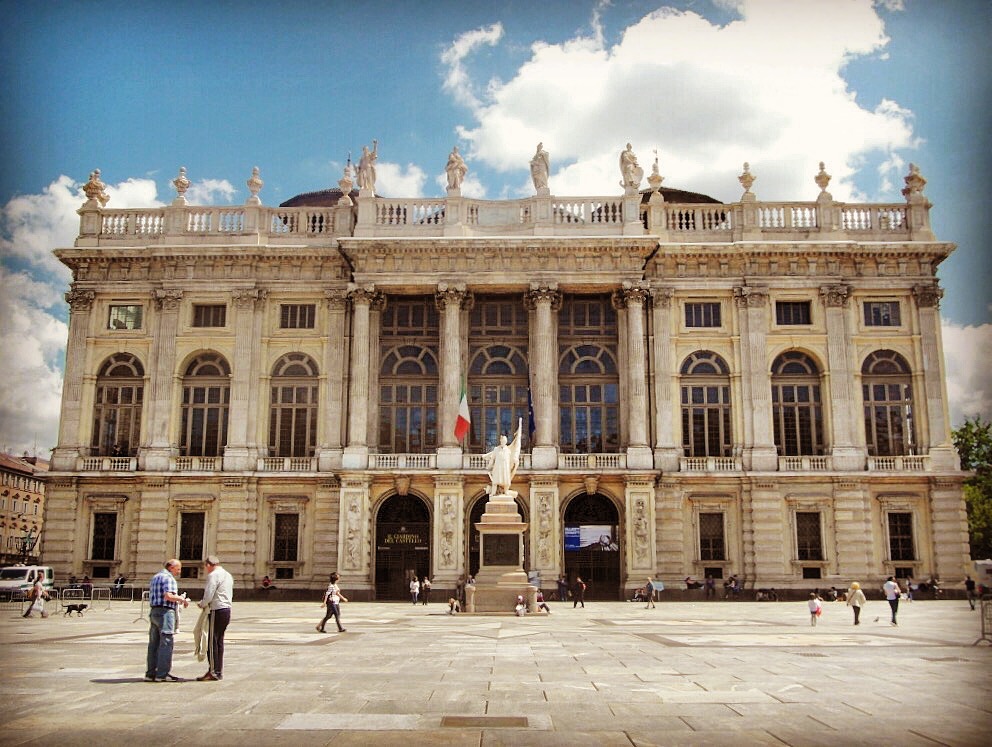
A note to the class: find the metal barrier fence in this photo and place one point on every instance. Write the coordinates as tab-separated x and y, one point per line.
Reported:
986	613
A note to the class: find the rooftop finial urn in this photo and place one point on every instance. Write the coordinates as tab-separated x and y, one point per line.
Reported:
181	184
345	184
255	185
95	189
747	178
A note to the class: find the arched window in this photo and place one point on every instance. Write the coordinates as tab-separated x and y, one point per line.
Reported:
706	424
497	383
588	400
117	408
887	388
206	398
797	410
293	407
408	400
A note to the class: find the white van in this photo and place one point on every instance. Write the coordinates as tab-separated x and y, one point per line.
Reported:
20	578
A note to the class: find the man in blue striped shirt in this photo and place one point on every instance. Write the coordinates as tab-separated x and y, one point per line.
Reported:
164	601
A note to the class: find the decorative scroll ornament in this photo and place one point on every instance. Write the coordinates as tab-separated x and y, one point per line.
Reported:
446	294
822	179
835	296
539	293
94	189
367	295
914	182
255	185
79	300
181	184
747	178
246	298
928	296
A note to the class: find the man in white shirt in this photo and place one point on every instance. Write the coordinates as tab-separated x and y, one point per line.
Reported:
217	595
892	592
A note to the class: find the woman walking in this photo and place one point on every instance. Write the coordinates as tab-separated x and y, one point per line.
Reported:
332	598
856	600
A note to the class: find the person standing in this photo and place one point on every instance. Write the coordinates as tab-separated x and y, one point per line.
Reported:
579	593
38	595
562	588
969	587
163	613
815	608
217	596
856	600
425	591
414	589
333	598
892	592
649	594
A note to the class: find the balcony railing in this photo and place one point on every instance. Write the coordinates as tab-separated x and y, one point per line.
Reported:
914	463
804	464
195	464
592	461
710	464
481	461
108	464
402	461
287	464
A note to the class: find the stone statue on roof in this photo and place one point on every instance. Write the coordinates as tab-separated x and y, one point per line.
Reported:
540	167
630	172
456	169
366	167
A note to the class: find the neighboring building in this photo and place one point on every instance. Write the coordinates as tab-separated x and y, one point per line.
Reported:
22	507
753	388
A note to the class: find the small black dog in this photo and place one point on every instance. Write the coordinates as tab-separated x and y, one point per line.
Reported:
77	608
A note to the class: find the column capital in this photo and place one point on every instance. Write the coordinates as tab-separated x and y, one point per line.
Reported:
79	300
246	298
928	296
751	296
835	296
543	293
167	300
630	293
335	299
367	295
662	297
454	295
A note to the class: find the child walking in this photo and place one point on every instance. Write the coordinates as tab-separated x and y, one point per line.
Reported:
815	608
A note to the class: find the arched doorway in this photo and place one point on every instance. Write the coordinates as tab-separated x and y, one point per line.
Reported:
475	516
402	545
592	545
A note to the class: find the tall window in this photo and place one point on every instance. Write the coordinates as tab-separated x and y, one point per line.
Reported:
901	536
711	540
588	380
117	406
104	536
293	407
408	376
882	314
797	411
497	372
706	424
888	400
809	542
287	538
206	398
191	526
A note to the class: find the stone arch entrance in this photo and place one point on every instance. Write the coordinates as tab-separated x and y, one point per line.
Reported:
475	516
402	545
592	545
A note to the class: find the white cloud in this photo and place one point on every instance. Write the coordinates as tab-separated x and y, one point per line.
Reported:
33	344
394	180
968	362
471	186
708	97
210	191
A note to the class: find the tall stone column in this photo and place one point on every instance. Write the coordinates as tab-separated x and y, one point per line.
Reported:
846	453
942	452
70	445
666	399
155	455
450	301
357	450
333	368
760	454
241	452
544	300
632	297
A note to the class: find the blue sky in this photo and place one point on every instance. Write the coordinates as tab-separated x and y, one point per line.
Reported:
139	88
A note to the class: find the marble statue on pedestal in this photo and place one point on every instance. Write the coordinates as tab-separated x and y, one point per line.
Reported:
456	169
540	167
630	172
503	462
366	166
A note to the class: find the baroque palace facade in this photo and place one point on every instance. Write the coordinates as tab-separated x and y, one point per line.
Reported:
752	388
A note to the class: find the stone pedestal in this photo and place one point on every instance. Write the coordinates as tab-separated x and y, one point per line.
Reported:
501	577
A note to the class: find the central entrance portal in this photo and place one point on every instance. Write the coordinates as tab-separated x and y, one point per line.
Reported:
592	545
402	546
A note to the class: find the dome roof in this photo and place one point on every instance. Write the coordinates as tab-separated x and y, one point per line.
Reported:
678	196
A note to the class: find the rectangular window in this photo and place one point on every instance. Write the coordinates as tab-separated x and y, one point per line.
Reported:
882	314
698	314
104	536
901	536
711	544
792	312
297	315
209	315
124	317
287	537
191	524
809	541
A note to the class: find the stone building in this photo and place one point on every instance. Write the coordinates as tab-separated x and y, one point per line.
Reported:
752	388
22	507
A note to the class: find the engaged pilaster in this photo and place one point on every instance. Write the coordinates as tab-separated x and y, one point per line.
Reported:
69	446
759	444
942	452
241	452
158	449
544	301
330	452
846	453
667	449
632	297
362	301
450	301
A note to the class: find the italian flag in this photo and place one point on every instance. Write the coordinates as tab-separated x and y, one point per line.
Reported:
464	420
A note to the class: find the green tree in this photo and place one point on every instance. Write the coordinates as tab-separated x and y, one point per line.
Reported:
974	444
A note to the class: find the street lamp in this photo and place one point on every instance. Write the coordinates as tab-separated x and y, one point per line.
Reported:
27	543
